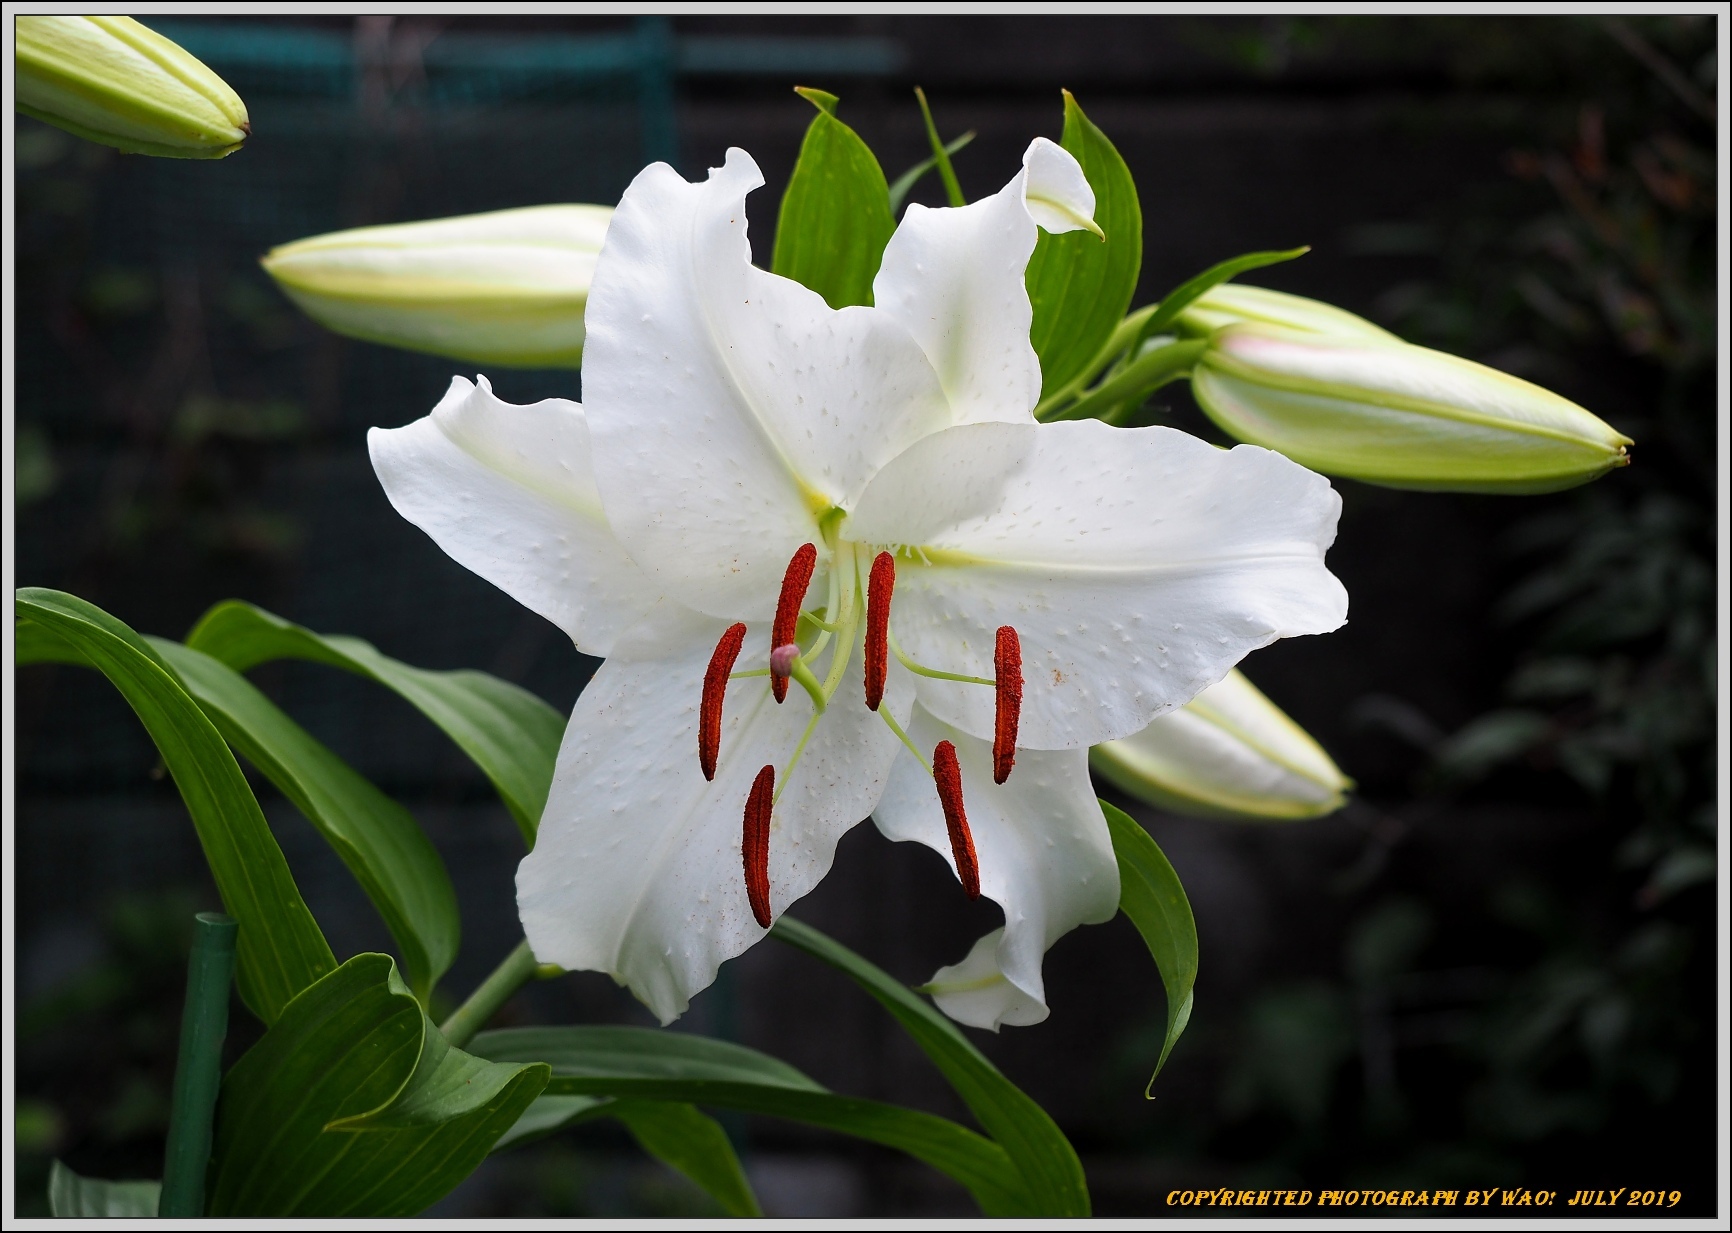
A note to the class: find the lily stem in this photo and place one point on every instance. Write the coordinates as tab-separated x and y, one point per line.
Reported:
512	974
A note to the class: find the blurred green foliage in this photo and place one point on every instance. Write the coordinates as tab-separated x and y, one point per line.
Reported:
1592	270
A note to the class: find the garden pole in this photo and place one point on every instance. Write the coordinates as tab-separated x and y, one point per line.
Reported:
198	1073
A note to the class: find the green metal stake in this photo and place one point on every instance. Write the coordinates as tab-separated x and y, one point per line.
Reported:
198	1074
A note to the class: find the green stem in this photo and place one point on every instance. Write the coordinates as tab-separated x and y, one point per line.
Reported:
515	971
952	189
1142	377
922	670
1125	335
198	1072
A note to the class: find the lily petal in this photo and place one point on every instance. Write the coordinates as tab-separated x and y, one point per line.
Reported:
976	991
636	870
731	408
1137	566
509	492
1045	855
954	278
939	482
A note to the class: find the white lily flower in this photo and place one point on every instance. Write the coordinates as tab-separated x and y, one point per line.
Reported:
762	490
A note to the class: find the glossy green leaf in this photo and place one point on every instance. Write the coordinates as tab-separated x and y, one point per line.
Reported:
508	732
647	1064
1151	896
34	644
835	218
1050	1173
1191	290
903	184
693	1143
354	1105
280	950
377	838
1079	285
72	1195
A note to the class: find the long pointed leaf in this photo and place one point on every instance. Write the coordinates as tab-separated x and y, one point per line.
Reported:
647	1064
695	1144
280	950
1043	1158
354	1105
1192	289
1078	285
380	842
1155	902
835	218
508	732
903	184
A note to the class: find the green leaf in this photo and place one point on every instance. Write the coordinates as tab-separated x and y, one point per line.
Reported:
34	644
693	1143
1126	390
354	1105
508	732
1047	1165
1151	896
1192	289
904	183
940	154
549	1114
675	1133
835	218
71	1195
280	950
647	1064
377	838
1078	285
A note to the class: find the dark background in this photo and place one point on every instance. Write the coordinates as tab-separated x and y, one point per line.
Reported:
1496	967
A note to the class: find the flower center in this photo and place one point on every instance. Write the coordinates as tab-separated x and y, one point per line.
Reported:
848	615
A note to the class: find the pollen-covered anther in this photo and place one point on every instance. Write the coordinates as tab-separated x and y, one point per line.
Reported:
1007	669
878	591
948	776
787	623
715	690
755	844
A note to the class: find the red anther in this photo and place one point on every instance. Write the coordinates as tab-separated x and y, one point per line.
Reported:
948	776
794	584
1007	668
878	590
755	844
715	689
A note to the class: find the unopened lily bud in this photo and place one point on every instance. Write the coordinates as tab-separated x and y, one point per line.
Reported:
1230	753
504	288
1233	303
1386	412
114	81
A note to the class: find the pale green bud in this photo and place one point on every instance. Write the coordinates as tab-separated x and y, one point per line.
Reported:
1377	409
1230	753
1233	303
505	288
111	80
